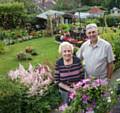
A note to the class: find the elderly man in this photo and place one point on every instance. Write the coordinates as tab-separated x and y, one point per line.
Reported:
96	54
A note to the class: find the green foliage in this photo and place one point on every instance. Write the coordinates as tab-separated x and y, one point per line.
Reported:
64	27
110	20
116	48
11	7
113	38
3	35
43	104
66	4
88	21
113	20
2	47
83	8
90	97
30	18
13	99
11	14
10	96
30	5
90	2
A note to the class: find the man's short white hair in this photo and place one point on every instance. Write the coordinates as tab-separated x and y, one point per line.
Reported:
91	26
63	44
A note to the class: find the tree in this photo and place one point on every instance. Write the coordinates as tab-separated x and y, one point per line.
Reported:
66	4
29	5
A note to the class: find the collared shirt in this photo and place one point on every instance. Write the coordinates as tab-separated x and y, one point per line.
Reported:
96	57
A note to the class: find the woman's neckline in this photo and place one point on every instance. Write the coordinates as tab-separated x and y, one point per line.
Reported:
68	64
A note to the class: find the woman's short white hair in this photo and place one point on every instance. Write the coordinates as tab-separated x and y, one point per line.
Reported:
63	44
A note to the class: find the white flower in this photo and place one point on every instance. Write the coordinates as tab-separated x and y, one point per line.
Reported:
109	99
118	80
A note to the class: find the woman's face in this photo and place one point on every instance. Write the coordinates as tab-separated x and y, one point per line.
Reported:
67	53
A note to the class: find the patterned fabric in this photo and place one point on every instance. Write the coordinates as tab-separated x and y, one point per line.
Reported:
69	73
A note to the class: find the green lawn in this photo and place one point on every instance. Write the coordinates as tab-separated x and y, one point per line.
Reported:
45	47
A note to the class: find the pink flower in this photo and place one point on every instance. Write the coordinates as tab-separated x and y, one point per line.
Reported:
78	85
63	107
36	80
72	95
86	80
86	86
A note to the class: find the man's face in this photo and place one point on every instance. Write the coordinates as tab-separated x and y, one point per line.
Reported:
92	34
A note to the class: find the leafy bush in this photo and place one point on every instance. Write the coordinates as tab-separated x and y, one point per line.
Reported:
10	96
88	21
41	95
41	104
114	39
13	99
2	35
116	49
64	27
12	13
111	20
24	56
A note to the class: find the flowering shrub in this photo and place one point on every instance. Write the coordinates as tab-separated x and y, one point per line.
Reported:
35	79
93	96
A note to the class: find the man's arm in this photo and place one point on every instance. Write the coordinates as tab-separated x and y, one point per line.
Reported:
109	70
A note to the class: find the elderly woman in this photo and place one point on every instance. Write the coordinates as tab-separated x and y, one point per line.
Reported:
68	71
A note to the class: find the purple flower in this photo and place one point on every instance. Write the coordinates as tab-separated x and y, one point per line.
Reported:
85	98
89	110
78	85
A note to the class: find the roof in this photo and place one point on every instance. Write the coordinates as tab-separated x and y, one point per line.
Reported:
50	13
95	10
82	14
115	9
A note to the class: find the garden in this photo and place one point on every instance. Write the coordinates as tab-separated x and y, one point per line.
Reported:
19	96
27	62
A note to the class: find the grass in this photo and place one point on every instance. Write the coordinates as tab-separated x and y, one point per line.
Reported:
45	47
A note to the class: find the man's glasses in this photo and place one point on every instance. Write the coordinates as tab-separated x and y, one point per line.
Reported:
92	32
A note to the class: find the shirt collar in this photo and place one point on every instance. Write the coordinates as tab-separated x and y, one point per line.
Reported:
97	44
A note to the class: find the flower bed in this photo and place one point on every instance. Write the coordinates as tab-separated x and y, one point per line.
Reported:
93	96
29	91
